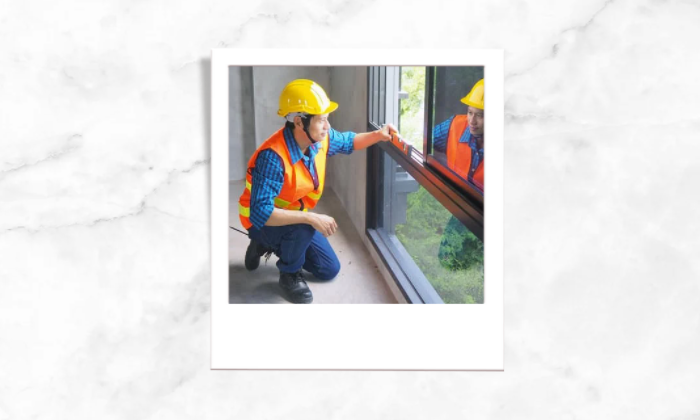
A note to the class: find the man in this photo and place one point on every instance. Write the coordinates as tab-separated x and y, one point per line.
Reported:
286	178
464	148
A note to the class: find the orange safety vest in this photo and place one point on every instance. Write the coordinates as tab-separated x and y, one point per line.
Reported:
459	155
298	191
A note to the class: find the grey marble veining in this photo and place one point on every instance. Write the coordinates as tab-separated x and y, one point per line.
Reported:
104	233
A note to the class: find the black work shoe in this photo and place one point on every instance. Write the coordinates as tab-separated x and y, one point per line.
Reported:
295	288
253	254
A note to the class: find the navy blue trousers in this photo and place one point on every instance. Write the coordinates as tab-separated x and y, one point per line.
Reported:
299	246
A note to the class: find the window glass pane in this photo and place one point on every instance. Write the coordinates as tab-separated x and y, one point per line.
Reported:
458	133
450	257
412	101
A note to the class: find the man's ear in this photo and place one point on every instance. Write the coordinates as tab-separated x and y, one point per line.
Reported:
297	121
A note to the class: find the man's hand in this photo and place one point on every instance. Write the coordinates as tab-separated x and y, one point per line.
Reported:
364	140
386	131
324	224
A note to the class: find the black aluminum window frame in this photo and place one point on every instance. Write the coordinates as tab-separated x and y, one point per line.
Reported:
466	204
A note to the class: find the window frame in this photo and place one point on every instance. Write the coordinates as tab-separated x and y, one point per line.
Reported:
465	204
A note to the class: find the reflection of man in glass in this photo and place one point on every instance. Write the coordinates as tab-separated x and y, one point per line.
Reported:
461	138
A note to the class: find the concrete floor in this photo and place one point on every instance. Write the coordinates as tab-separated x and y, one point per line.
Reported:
359	280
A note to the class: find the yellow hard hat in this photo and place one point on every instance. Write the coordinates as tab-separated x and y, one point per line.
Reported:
475	97
305	96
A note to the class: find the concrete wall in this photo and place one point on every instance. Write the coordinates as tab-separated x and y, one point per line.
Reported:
347	174
241	144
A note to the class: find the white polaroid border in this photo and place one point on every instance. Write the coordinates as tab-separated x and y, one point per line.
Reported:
360	336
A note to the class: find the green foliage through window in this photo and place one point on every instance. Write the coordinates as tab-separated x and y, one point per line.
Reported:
449	255
411	113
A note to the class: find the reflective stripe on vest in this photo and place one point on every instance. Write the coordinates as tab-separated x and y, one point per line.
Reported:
244	211
278	201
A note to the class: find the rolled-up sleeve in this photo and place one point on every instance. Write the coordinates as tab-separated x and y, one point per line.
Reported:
340	142
268	177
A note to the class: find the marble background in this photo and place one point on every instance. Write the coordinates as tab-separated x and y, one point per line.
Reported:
104	214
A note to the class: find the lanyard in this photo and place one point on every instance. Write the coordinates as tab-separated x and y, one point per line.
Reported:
314	175
314	172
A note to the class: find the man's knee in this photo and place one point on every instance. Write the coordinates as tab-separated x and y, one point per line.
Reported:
328	271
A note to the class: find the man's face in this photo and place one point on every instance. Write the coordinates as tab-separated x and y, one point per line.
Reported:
476	121
319	127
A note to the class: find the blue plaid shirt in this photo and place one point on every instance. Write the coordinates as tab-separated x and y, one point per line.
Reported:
440	134
268	174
